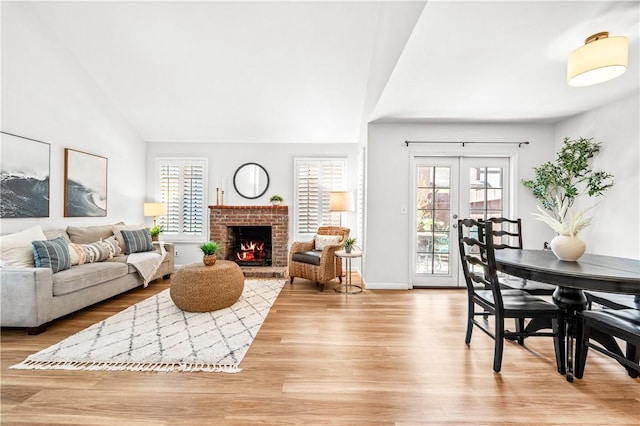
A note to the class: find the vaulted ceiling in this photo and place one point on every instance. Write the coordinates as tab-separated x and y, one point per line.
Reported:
313	72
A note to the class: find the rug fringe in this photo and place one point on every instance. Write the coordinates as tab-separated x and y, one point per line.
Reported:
124	366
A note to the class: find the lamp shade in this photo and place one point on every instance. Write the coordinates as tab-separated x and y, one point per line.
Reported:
153	209
602	58
341	201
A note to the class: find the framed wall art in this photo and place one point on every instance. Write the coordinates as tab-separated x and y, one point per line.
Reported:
24	182
85	184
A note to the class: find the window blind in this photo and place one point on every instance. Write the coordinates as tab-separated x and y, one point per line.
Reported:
315	179
182	189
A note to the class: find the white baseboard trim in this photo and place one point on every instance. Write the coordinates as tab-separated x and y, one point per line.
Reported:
386	286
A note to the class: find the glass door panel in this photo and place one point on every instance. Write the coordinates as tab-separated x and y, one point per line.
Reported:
434	237
445	188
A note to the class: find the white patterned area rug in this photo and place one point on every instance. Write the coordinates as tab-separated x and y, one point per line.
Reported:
154	335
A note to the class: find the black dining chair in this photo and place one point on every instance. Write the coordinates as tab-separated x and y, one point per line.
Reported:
507	234
599	331
612	300
484	291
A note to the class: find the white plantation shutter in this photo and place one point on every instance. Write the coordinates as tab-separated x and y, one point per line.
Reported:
315	179
182	189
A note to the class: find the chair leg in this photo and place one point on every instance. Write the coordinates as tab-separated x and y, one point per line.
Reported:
499	344
582	348
321	286
559	329
633	355
291	280
470	316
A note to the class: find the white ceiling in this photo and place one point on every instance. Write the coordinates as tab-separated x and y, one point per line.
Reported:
307	72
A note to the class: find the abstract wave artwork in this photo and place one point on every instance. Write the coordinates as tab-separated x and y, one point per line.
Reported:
85	184
24	181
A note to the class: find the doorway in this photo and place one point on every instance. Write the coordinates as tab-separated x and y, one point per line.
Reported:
443	190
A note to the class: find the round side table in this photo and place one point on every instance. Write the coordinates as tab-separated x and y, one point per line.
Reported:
348	287
200	288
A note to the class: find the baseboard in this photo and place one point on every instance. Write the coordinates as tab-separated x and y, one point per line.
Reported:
386	286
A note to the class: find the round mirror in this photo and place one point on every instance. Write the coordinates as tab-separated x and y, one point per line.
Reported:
251	180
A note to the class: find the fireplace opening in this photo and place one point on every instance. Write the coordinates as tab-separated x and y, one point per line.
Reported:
250	245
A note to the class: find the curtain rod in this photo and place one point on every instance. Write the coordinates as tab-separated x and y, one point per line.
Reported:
464	143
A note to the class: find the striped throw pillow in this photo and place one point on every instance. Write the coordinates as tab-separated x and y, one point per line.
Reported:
52	254
137	241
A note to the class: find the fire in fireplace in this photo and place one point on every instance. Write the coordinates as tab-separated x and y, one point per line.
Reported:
250	245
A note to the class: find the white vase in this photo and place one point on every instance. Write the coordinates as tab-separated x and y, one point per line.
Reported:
568	248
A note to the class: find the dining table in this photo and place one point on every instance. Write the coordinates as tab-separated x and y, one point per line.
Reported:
590	272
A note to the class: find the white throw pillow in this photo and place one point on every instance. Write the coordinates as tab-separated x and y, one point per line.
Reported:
325	240
16	249
118	234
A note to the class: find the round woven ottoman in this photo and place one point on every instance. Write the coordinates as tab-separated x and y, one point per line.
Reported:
200	288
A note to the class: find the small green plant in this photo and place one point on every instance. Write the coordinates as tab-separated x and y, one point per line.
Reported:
155	230
209	248
276	197
349	244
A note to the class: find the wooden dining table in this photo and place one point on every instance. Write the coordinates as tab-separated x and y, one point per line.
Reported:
590	272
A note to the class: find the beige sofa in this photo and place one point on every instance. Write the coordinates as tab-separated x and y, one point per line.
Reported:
32	297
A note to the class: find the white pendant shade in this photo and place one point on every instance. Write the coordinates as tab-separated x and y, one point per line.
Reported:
602	58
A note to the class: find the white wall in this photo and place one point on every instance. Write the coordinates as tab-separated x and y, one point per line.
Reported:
387	232
223	160
47	95
615	228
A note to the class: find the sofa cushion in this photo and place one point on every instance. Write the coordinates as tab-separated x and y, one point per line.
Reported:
90	234
112	245
98	251
310	257
16	248
137	241
52	254
54	233
83	276
117	233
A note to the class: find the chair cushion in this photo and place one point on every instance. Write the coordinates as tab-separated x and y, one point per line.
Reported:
321	241
309	257
623	319
518	300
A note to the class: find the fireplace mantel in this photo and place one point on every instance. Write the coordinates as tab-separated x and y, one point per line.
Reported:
222	217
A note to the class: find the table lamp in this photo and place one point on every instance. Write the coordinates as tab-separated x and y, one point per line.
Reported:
153	209
341	201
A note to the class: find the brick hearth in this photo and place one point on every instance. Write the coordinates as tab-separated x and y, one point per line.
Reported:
221	217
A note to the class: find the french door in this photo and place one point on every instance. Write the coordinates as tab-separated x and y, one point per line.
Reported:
443	190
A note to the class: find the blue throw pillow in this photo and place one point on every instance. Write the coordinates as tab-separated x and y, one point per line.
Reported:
137	240
52	254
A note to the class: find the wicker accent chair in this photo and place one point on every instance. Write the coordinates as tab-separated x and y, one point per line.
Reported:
320	266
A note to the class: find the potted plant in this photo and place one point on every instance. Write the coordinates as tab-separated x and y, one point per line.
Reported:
155	232
557	185
276	199
209	249
349	244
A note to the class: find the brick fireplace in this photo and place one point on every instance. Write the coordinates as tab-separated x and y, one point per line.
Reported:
225	220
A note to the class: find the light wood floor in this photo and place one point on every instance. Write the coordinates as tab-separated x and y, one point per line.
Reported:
380	357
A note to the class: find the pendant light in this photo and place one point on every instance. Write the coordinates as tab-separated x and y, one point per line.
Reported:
601	58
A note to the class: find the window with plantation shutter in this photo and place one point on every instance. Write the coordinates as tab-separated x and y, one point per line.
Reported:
315	179
181	184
